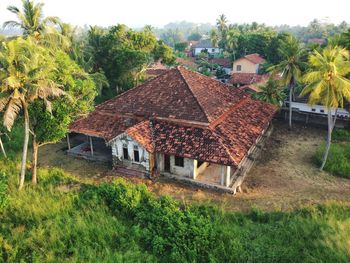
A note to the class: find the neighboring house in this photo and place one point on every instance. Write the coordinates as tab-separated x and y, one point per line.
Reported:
242	79
205	45
225	63
180	124
248	64
188	62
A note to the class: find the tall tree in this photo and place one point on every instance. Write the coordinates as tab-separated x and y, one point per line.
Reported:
271	92
30	19
290	68
214	37
327	84
25	69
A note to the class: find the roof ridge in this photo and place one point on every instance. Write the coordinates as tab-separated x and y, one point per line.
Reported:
190	89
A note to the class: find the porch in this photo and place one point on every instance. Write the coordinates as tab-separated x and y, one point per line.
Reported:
89	148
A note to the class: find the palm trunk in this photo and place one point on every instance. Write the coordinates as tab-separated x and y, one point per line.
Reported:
2	148
34	160
331	124
25	145
291	90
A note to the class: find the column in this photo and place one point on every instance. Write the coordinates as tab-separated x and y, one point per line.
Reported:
228	176
195	169
222	174
68	141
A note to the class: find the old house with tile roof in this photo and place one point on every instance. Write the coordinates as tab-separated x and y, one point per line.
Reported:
180	124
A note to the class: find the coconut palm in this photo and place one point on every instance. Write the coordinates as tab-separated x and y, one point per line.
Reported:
32	22
290	68
214	38
25	69
30	19
221	23
327	84
271	92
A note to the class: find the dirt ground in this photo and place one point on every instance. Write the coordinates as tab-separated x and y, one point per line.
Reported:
283	178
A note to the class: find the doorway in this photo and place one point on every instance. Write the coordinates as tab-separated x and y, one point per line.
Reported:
167	163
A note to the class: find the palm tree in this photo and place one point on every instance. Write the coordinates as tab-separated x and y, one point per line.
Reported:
214	37
221	23
232	41
271	92
327	84
290	68
26	68
31	19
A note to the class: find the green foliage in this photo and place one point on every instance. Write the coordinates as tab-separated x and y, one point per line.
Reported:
338	162
271	92
3	191
63	220
341	135
181	46
120	54
194	37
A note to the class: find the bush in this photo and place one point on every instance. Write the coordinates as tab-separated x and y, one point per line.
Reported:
338	162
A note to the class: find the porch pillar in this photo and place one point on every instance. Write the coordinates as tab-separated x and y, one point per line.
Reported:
222	174
68	141
91	146
228	176
195	169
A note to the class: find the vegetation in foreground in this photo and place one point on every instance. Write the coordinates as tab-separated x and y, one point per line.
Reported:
338	162
65	220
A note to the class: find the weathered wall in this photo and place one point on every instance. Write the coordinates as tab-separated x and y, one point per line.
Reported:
197	50
186	171
246	65
117	151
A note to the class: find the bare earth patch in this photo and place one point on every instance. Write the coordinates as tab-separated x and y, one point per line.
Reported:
283	178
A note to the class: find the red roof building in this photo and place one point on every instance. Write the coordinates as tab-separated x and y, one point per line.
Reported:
181	123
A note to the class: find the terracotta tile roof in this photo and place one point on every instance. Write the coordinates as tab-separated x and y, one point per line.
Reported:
255	58
189	142
142	133
183	113
242	127
154	72
103	125
224	62
247	78
187	62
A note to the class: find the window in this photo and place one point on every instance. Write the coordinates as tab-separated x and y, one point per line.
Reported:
213	50
179	161
313	109
136	154
125	152
239	67
322	111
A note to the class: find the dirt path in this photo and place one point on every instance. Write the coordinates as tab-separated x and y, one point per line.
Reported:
282	179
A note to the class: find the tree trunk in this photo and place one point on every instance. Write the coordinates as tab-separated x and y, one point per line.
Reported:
291	90
2	148
331	124
34	160
25	145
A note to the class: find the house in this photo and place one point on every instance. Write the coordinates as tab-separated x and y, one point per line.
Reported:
180	124
225	63
248	64
243	79
205	46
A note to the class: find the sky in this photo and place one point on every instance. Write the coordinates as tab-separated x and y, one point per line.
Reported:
137	13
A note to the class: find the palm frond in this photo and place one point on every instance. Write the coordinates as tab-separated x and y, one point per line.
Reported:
13	108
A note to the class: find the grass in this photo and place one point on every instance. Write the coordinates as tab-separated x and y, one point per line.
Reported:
338	162
65	220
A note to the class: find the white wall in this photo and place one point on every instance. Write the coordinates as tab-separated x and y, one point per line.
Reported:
198	50
186	171
117	150
318	109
